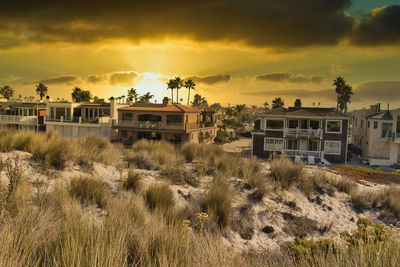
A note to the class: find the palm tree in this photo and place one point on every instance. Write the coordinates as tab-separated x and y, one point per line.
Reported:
123	98
41	90
178	84
132	95
239	109
339	83
146	98
171	85
343	92
189	84
277	103
7	92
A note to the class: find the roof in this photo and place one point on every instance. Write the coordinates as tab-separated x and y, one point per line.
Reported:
382	116
169	108
306	112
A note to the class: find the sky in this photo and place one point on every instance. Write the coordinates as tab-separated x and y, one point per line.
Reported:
237	52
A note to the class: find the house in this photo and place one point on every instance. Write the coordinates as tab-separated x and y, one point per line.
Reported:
79	119
377	133
23	115
176	123
308	133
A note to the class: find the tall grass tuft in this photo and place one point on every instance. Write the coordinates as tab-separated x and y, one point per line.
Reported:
160	197
133	181
89	190
285	172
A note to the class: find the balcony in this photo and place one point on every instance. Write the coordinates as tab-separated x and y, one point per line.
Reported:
304	153
163	126
303	133
80	120
14	119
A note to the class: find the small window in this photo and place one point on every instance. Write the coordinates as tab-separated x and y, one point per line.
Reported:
332	147
274	124
174	119
334	126
293	123
127	116
313	145
368	123
273	144
375	125
314	124
293	144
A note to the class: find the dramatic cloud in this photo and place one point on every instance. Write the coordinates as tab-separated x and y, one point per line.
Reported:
96	78
339	69
60	79
211	79
325	93
380	27
290	78
285	23
124	78
378	91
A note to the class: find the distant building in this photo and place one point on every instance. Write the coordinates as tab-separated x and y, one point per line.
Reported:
313	134
23	115
79	119
171	122
377	133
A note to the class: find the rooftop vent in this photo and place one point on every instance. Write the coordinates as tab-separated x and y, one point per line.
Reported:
297	103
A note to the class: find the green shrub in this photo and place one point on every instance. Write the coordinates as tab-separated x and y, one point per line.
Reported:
89	190
217	202
222	137
159	196
179	176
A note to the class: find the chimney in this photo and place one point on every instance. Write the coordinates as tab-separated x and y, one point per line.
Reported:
166	101
297	103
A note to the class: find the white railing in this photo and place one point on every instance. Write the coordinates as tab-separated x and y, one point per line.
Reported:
297	132
304	153
19	119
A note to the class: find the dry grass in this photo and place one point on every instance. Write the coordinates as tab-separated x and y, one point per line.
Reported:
360	173
285	172
179	176
159	196
89	190
133	181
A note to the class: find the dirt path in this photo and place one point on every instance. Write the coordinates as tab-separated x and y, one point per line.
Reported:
243	145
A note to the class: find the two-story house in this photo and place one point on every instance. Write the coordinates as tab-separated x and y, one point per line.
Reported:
377	133
79	119
176	123
308	133
23	115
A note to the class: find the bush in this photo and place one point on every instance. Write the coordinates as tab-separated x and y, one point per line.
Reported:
217	202
179	176
133	181
222	137
142	160
160	197
189	151
285	172
89	190
58	153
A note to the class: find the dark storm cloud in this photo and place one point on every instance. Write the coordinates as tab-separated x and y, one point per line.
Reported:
324	93
261	23
290	78
211	79
381	26
59	80
378	91
96	78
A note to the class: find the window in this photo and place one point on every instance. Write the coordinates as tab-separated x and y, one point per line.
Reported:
314	124
127	116
313	145
398	125
368	123
386	129
362	124
293	144
332	147
273	144
375	125
174	119
275	124
333	126
149	117
293	123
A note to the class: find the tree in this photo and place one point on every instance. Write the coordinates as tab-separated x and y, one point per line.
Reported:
178	84
229	111
199	101
79	95
266	105
343	92
189	84
41	90
278	103
7	92
132	95
146	98
171	86
98	100
216	106
239	110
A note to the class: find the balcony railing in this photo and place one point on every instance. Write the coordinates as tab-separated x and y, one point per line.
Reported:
97	120
19	119
308	133
163	125
304	153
